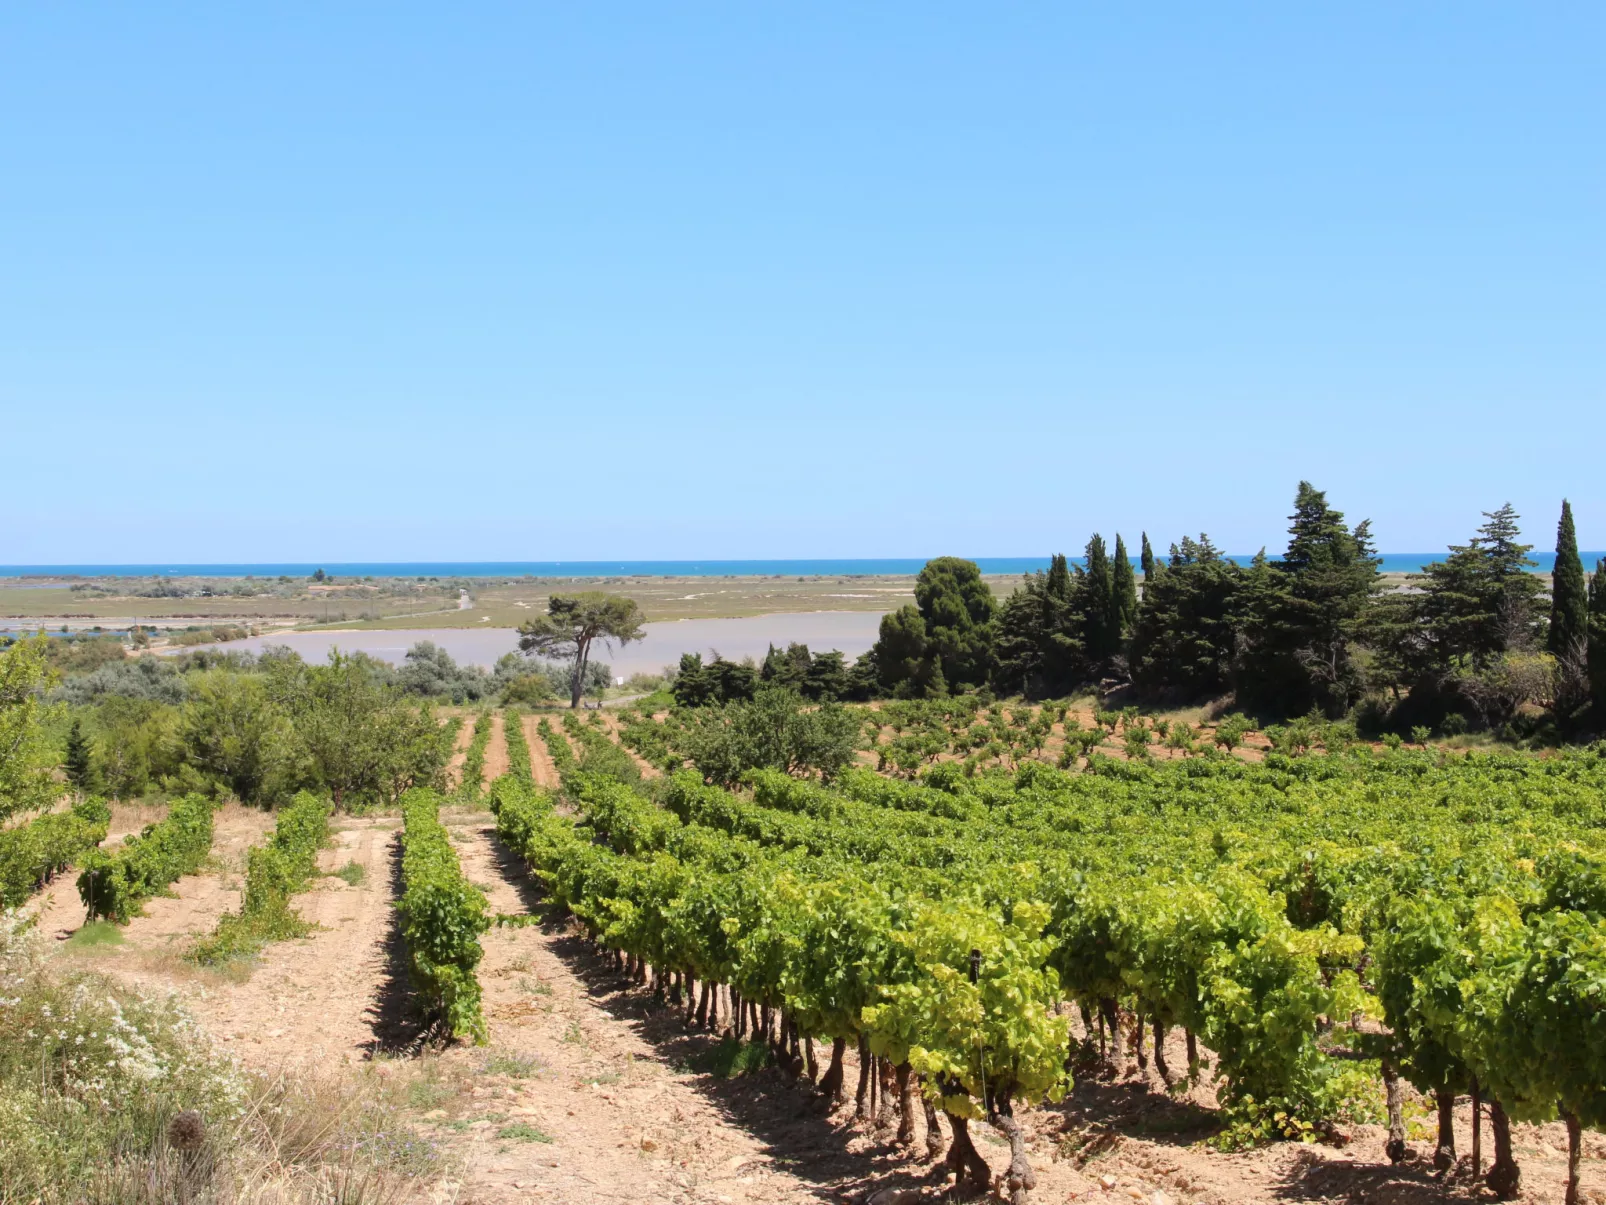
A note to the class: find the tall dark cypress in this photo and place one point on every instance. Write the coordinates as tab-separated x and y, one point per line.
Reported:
1147	557
1597	637
1126	587
1569	595
1058	584
1101	621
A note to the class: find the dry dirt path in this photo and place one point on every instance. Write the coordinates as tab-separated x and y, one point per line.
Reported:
337	995
542	768
624	1123
465	737
496	761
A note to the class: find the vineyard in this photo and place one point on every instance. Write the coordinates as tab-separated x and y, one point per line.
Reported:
1319	926
980	917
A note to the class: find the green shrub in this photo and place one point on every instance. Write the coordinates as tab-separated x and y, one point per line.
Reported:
518	749
468	787
114	885
274	872
33	854
443	915
557	747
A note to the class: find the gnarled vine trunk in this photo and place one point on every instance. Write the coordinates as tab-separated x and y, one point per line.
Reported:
1575	1142
1020	1178
831	1085
1394	1148
1505	1177
1444	1152
1477	1128
864	1078
963	1158
935	1144
1160	1064
906	1105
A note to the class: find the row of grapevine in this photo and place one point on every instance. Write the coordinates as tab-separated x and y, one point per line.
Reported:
1255	905
274	872
32	854
518	748
470	783
557	748
113	886
443	915
599	752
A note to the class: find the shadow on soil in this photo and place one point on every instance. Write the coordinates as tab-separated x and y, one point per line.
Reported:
393	1015
787	1115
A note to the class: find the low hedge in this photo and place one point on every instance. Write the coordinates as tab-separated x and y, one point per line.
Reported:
562	755
518	749
274	871
469	785
113	886
33	854
443	915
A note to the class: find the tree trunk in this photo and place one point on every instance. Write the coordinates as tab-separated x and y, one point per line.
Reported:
1020	1178
963	1156
739	1014
1394	1148
934	1140
1160	1065
1477	1129
809	1064
1137	1041
864	1078
691	997
888	1099
1193	1053
1109	1018
831	1085
764	1024
1575	1143
906	1105
1505	1177
582	654
702	1007
1444	1152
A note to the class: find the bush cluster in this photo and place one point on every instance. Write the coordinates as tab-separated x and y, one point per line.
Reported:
114	885
33	854
518	749
562	755
468	786
443	915
598	754
274	872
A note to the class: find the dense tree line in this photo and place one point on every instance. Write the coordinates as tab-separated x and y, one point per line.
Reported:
258	728
1473	640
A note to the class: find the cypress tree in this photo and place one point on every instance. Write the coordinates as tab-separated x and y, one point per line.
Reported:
1147	557
77	763
1126	587
1597	638
1101	619
1569	596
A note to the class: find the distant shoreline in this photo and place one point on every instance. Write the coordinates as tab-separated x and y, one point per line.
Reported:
1392	562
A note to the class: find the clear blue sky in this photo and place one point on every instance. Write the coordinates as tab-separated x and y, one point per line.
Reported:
391	281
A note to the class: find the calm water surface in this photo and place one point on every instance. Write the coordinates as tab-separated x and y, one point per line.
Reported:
853	632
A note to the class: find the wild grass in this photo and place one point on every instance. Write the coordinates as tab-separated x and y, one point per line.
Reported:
110	1097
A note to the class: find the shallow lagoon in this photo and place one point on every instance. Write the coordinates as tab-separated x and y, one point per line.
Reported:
852	632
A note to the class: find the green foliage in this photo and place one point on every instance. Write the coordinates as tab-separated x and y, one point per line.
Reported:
1186	635
599	755
1568	636
470	787
236	732
27	755
557	748
274	872
518	749
1597	637
33	854
573	623
443	915
777	730
113	886
718	682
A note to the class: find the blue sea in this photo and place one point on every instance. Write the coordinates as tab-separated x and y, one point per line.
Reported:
1393	562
